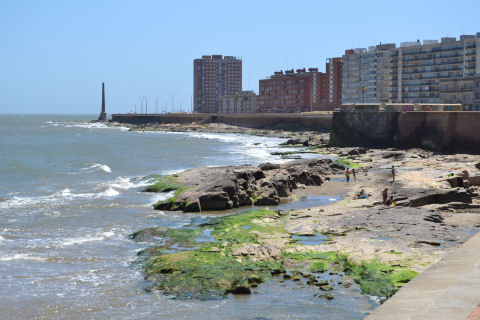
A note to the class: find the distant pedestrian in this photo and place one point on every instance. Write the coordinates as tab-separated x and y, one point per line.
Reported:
354	174
347	175
385	195
393	173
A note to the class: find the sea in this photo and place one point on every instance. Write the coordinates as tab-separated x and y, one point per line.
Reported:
71	193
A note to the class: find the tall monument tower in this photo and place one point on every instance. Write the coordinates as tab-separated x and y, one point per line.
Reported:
103	114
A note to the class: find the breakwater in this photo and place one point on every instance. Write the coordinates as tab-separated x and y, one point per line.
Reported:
292	122
439	131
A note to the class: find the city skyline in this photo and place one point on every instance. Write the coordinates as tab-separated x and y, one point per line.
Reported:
55	55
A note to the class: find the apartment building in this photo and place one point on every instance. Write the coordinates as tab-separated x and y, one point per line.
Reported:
476	92
413	72
290	91
215	76
241	102
333	69
363	74
458	90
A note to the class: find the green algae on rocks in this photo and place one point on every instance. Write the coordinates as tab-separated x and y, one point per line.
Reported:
166	184
348	163
163	184
207	269
205	274
172	203
375	278
186	267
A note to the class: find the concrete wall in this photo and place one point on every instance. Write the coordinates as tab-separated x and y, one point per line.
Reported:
368	129
441	131
291	122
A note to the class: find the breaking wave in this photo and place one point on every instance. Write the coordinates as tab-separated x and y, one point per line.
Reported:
161	197
98	166
85	125
21	256
80	240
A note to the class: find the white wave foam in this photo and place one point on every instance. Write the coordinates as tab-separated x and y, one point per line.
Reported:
88	125
220	137
85	125
57	198
375	298
66	192
161	197
2	239
99	166
21	202
128	183
258	153
21	256
98	125
109	193
80	240
244	139
170	172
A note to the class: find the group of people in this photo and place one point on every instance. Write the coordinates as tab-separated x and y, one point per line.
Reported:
361	195
387	199
348	173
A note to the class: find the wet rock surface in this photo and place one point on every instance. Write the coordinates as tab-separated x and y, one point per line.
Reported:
223	188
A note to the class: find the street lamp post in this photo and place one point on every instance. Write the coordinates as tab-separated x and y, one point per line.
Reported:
141	104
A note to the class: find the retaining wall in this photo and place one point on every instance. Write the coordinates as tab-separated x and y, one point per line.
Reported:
293	122
441	131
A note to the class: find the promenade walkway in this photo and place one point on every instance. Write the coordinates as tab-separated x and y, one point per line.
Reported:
449	289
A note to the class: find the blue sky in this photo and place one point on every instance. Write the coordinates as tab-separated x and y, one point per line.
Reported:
55	54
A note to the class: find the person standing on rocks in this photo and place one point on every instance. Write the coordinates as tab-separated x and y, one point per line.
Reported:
393	173
354	174
347	175
385	195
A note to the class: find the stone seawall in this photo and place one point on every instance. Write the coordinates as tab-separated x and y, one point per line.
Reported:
293	122
441	131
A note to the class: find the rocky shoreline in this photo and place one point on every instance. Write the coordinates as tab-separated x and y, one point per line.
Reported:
223	188
356	240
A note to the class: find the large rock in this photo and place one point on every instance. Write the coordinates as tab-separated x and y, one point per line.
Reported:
222	188
268	197
268	166
215	201
295	142
420	198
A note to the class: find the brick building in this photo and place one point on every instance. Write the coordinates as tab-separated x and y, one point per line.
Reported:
289	91
215	76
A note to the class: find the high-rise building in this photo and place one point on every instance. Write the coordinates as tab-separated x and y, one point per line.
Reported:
432	72
289	91
362	74
334	74
215	76
458	90
476	92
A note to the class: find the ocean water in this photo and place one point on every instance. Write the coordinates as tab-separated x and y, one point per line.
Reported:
70	194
